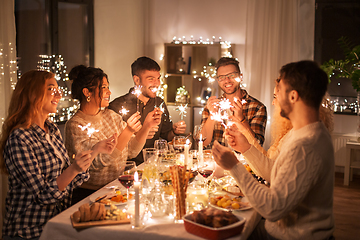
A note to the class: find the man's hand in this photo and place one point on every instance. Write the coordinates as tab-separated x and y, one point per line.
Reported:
152	132
237	108
179	127
235	138
212	104
152	122
133	123
223	156
82	161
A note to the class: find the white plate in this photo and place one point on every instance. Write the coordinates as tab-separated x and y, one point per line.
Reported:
94	196
243	200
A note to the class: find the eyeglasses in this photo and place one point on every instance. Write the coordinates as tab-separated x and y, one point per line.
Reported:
55	90
231	76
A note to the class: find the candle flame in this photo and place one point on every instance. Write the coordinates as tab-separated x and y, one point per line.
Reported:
187	141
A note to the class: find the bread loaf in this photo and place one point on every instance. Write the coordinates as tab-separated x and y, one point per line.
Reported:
94	209
76	216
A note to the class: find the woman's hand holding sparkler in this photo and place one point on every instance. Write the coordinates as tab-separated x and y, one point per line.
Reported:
133	123
82	161
106	146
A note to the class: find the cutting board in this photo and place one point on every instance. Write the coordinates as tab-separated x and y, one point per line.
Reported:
82	225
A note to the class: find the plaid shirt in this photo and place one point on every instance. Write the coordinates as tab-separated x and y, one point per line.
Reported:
34	197
254	112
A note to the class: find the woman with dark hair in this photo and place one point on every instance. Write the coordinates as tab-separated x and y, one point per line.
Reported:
41	177
91	87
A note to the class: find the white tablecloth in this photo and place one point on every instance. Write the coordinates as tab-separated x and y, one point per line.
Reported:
60	227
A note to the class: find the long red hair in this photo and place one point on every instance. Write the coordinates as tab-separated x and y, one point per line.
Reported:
25	104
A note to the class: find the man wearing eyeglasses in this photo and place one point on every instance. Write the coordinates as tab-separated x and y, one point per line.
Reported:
251	111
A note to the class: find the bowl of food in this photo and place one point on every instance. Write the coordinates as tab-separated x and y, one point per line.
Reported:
213	224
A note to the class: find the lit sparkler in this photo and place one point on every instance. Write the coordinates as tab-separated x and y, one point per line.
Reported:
137	92
90	131
123	111
182	111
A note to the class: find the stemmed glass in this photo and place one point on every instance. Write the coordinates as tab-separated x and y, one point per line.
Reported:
127	177
179	142
207	169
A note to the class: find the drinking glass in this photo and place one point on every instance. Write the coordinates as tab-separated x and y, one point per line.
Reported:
207	169
150	172
127	177
161	146
179	143
197	132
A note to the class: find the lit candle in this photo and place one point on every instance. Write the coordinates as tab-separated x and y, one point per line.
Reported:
137	200
200	151
186	153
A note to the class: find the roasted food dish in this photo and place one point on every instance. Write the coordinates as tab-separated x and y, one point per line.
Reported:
212	217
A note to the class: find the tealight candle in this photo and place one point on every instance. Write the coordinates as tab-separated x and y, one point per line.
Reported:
137	200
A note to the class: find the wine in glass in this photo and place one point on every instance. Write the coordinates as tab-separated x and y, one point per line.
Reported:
127	177
208	168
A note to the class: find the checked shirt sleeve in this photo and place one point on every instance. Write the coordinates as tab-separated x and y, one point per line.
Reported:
34	168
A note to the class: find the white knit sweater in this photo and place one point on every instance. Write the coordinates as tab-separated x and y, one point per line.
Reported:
299	202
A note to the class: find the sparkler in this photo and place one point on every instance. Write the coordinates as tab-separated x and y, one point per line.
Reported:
182	111
123	111
90	131
137	92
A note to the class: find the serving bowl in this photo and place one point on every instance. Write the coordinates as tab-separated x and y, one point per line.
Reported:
213	233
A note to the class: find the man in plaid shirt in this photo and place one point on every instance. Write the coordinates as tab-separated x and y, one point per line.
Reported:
250	110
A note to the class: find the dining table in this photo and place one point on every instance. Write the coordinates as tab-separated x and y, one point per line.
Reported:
60	227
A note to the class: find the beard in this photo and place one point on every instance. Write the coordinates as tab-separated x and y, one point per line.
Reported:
233	91
285	109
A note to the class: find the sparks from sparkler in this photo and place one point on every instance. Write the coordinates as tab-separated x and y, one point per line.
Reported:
90	131
225	104
137	91
182	111
123	111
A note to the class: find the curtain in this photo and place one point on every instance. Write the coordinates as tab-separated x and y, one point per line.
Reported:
8	73
278	32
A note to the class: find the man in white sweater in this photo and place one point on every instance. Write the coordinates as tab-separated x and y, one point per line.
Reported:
298	204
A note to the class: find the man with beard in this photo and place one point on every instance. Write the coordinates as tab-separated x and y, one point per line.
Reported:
299	202
251	112
146	76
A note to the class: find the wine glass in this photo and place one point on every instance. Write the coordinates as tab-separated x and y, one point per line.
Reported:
207	169
150	172
197	132
161	146
127	177
179	142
